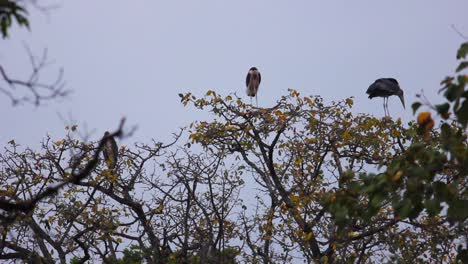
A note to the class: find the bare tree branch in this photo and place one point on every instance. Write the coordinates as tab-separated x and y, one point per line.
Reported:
33	89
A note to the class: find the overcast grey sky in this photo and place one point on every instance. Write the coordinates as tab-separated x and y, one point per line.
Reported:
132	58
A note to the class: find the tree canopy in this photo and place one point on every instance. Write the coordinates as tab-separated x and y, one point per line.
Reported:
302	180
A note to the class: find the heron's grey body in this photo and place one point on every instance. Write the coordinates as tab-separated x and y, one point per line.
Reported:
253	82
385	87
110	151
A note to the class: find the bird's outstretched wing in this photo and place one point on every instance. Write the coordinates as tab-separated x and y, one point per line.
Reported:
259	78
247	79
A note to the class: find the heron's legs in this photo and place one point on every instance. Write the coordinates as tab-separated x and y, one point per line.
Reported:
385	103
250	100
388	112
384	109
385	106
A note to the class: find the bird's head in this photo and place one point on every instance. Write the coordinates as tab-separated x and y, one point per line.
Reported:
253	69
106	133
401	96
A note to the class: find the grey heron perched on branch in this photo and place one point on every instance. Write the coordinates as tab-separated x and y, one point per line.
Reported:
385	87
253	82
110	151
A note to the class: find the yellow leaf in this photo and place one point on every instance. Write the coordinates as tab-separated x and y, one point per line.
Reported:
396	133
397	175
425	121
309	101
298	162
283	206
59	143
349	101
159	209
106	173
202	222
311	140
309	236
231	127
295	199
294	93
346	135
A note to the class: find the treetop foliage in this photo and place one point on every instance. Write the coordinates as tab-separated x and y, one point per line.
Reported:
303	180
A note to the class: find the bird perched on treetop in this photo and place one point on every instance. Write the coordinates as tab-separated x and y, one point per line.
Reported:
253	82
110	151
385	87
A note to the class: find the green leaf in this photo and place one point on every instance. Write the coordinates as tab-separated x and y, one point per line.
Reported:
462	81
433	207
404	208
447	81
462	66
4	27
377	199
453	92
462	254
458	210
462	113
415	107
441	191
22	20
462	51
20	8
442	108
9	9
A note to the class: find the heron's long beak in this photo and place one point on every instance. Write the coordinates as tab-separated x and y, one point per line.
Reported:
402	99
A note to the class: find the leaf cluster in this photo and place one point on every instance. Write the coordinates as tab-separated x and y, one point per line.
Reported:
10	10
